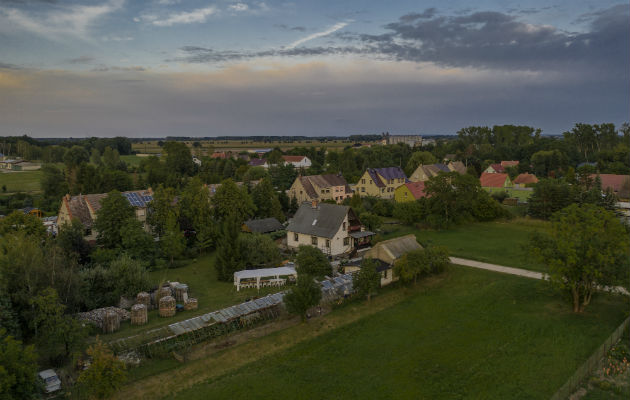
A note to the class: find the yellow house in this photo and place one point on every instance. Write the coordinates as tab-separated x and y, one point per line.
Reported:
410	191
380	182
320	188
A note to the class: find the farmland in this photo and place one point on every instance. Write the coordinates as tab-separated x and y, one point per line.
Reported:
151	147
470	334
499	242
21	181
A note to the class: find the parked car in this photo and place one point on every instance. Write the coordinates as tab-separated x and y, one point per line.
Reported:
52	383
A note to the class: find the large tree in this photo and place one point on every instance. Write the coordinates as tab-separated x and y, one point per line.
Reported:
229	259
104	376
114	212
18	369
304	295
230	199
587	247
311	261
195	213
266	200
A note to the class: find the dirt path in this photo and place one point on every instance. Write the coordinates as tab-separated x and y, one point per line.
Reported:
217	363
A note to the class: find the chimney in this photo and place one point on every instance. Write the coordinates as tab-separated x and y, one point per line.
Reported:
314	204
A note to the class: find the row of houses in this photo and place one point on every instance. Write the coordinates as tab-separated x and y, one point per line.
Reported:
295	161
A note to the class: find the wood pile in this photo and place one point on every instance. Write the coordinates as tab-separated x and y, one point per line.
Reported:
111	322
181	293
191	304
97	316
167	306
139	314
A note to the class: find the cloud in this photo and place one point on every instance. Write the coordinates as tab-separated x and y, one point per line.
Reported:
316	35
81	60
238	7
60	21
290	28
107	68
197	16
114	38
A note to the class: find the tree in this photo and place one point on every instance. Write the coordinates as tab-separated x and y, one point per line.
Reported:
368	280
311	261
411	266
137	242
160	208
173	242
111	158
70	239
195	213
419	158
178	159
53	182
371	221
129	276
17	221
266	201
258	251
18	369
105	375
56	334
229	199
114	212
587	247
304	295
228	258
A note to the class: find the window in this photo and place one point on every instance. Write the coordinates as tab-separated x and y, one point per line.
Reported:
314	240
296	237
382	190
327	243
370	181
363	189
346	241
323	191
344	226
385	274
300	192
363	181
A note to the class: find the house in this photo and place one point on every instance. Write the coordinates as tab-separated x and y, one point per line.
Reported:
258	162
619	184
220	155
297	161
410	191
332	228
424	172
212	187
457	166
263	225
495	169
84	207
449	157
388	252
409	140
381	182
13	165
320	188
525	179
495	180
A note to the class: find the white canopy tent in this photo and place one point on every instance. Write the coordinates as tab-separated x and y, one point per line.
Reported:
275	273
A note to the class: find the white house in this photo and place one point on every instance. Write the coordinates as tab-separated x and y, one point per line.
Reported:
332	228
297	161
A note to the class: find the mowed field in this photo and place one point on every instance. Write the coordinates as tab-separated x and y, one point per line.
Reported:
474	335
499	242
21	181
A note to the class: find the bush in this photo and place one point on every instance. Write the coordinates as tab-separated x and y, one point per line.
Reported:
500	196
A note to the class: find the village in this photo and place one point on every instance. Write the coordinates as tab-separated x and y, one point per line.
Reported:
176	268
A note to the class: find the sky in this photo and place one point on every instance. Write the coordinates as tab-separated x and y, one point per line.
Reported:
214	68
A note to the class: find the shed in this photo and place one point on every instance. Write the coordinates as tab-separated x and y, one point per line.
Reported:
264	225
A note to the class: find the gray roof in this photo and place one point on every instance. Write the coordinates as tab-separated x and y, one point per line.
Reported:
264	225
323	221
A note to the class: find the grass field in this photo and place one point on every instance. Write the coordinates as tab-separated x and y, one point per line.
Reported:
201	278
131	160
494	242
520	194
21	181
476	334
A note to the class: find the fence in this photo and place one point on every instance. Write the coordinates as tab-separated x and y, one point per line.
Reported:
593	362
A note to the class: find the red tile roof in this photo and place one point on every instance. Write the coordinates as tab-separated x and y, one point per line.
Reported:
498	168
293	158
493	180
506	164
218	154
526	178
416	189
615	182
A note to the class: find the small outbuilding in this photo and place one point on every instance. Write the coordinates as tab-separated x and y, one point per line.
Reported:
263	225
388	252
263	277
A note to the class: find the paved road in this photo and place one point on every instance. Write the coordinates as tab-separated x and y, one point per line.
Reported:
518	271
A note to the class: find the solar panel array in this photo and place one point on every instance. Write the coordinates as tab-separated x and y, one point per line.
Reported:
137	200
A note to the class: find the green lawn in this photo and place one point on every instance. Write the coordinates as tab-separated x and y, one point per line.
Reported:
476	334
131	160
21	181
520	194
494	242
201	278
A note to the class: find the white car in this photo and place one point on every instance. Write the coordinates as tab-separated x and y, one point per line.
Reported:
52	383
